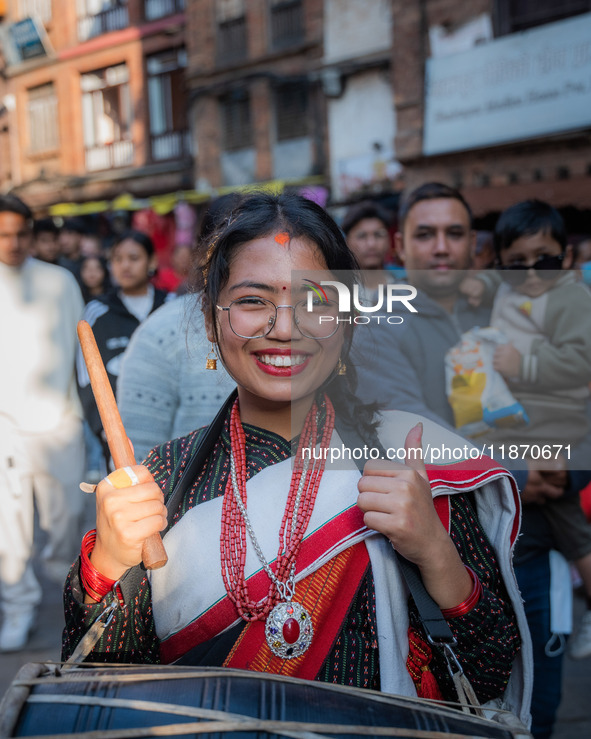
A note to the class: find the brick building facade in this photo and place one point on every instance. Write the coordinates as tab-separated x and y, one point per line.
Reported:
104	111
555	166
158	96
292	90
256	109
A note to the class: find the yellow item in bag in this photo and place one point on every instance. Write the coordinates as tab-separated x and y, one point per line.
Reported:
477	393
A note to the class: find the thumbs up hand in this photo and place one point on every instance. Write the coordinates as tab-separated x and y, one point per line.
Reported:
396	500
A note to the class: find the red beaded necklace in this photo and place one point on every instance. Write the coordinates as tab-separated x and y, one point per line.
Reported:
289	627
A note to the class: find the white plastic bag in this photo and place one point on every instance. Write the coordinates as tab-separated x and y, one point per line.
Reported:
477	393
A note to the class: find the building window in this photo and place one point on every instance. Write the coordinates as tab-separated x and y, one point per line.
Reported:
291	106
96	17
42	117
160	8
518	15
107	117
40	9
287	23
236	123
166	101
231	40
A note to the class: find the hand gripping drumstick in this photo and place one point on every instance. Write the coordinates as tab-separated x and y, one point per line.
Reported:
153	552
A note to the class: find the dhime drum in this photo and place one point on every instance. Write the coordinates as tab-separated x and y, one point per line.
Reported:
121	702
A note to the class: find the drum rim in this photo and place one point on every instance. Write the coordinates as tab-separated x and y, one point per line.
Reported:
16	696
47	673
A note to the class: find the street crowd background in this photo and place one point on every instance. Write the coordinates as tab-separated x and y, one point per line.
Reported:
352	104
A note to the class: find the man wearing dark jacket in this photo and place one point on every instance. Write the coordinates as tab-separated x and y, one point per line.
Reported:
402	367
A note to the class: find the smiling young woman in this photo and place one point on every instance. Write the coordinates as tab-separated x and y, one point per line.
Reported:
277	368
275	563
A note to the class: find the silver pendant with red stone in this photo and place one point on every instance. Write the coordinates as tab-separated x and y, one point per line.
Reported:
289	630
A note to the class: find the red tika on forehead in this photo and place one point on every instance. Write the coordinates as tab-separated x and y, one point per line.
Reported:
282	238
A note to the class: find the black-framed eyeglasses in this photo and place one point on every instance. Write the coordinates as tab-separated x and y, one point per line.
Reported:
252	317
545	267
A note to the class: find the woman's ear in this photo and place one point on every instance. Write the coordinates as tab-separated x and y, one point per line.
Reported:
568	260
208	326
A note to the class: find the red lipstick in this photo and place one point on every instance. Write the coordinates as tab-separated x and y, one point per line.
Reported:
281	371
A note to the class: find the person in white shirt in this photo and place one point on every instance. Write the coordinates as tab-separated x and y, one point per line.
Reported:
41	437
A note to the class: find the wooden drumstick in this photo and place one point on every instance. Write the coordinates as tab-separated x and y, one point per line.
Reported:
153	552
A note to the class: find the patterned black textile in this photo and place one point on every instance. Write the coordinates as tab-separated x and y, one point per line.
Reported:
354	658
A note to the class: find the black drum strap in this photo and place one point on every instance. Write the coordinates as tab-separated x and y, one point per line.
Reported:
199	458
131	580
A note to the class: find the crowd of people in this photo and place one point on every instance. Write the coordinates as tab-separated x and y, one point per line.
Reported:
545	358
296	373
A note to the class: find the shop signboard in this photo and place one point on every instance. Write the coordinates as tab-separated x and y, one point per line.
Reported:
523	86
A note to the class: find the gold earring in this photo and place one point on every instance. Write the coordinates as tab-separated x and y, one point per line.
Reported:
211	362
341	367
